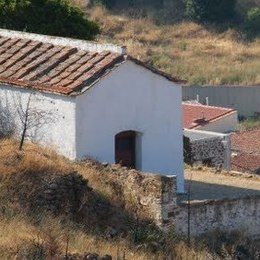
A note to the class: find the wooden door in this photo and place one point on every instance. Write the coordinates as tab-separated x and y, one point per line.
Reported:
125	149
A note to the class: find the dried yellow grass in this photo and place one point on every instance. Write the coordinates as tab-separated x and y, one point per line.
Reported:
187	50
32	157
18	232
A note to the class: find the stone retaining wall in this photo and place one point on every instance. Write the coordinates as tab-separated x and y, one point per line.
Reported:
147	196
241	215
154	197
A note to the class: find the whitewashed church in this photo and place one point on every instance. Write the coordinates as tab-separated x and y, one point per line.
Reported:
98	102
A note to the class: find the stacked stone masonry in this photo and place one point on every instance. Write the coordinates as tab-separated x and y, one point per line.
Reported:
156	195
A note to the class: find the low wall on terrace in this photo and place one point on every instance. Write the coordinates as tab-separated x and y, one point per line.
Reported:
242	214
154	197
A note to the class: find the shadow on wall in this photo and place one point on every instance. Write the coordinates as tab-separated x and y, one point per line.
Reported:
7	125
208	191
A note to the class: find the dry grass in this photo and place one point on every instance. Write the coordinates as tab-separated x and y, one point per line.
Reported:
18	236
17	233
14	240
187	50
249	124
32	158
21	235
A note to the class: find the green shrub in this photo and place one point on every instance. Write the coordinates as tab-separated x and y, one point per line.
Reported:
53	17
252	23
217	11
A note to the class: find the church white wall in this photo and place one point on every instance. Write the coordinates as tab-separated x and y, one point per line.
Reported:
133	98
56	128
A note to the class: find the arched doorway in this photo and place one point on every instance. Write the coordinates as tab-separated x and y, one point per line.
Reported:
125	149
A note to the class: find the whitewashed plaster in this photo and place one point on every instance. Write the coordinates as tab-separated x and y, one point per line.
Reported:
133	98
58	128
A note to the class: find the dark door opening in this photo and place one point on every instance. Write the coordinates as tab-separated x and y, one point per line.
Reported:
125	154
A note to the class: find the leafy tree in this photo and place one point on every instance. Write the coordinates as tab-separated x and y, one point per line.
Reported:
212	11
53	17
252	23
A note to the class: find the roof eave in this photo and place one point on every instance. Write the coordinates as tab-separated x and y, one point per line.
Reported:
156	71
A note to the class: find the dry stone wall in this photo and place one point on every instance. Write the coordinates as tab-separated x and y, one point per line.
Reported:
209	149
154	197
241	215
145	195
63	193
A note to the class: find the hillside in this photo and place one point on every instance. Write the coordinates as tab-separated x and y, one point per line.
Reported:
193	52
62	208
162	11
91	216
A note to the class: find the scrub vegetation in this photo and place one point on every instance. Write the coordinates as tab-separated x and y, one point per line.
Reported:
100	224
198	53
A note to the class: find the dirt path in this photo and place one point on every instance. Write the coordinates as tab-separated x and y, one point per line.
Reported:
207	185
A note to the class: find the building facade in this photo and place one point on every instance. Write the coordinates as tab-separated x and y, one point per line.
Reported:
91	101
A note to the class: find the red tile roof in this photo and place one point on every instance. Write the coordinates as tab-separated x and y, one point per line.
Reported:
246	141
59	65
49	67
247	146
246	163
195	115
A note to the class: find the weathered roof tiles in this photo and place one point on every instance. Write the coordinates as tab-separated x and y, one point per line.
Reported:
196	115
56	64
50	67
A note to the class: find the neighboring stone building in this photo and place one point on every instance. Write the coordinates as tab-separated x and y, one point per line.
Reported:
209	118
208	129
100	102
209	148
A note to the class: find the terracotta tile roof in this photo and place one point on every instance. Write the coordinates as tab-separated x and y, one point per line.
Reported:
247	146
56	64
246	141
246	163
49	67
195	114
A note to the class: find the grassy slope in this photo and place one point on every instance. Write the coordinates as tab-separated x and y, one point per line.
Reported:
187	50
21	234
53	232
